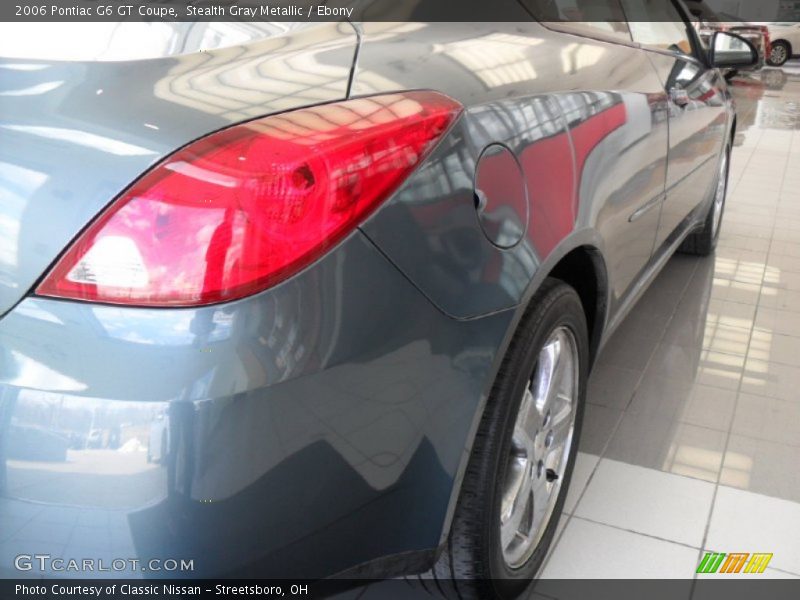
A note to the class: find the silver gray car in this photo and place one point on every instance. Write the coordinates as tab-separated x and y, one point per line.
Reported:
302	300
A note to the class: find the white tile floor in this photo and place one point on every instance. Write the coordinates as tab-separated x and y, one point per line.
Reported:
612	553
692	435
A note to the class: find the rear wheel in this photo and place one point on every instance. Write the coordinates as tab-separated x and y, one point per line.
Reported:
522	459
703	242
779	54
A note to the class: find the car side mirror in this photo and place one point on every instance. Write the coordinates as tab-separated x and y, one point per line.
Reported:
730	51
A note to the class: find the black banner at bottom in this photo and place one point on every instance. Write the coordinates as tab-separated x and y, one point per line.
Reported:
411	589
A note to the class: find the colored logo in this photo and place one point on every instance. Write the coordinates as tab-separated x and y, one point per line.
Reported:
744	563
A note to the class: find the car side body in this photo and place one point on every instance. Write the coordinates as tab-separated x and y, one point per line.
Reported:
322	427
785	38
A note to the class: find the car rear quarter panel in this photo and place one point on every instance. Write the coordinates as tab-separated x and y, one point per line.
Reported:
299	443
587	120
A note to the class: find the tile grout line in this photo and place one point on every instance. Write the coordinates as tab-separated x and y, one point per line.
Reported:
774	208
744	371
741	377
601	456
633	531
784	571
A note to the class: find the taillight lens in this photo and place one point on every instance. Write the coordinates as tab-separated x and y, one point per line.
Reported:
246	207
767	40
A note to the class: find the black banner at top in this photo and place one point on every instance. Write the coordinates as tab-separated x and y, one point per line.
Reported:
727	11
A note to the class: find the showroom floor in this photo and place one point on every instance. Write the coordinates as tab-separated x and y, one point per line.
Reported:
691	439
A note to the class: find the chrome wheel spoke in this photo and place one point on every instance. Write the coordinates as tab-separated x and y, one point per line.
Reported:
560	428
542	492
517	480
528	422
514	528
547	381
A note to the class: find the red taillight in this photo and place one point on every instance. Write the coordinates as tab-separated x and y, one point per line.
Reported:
249	206
767	40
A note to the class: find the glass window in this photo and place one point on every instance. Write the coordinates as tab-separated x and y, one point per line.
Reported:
657	23
589	17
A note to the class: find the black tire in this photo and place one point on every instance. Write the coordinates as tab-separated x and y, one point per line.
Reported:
704	241
786	55
472	564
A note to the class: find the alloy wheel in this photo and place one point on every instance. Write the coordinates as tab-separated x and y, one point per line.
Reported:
540	448
778	55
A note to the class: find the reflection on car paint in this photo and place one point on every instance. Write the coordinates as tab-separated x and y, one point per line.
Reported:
181	433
